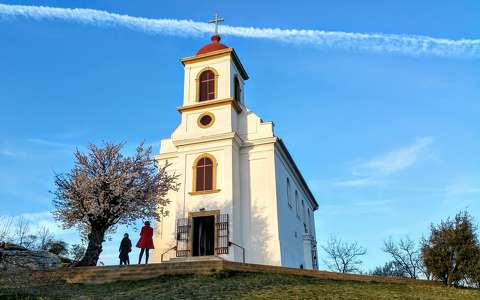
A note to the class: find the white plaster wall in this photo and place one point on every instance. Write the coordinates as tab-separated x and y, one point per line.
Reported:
258	196
183	202
164	231
251	127
291	228
189	129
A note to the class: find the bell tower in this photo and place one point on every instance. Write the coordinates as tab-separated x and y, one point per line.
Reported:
214	81
225	78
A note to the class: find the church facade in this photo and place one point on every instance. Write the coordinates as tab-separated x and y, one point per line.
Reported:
241	196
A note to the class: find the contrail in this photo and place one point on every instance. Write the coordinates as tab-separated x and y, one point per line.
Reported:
410	45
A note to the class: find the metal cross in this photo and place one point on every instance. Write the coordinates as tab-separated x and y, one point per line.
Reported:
216	20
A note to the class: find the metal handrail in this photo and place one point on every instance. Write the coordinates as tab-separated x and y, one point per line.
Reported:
243	249
174	247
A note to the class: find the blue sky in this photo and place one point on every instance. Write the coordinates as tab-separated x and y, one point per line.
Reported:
388	142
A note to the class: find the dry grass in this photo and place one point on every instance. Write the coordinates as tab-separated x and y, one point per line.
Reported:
239	285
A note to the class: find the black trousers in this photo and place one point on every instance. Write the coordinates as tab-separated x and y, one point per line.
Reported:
124	259
146	250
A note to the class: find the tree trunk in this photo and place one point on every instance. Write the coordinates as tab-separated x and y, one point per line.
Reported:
95	240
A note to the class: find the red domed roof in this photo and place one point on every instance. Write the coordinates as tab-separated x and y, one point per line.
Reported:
215	45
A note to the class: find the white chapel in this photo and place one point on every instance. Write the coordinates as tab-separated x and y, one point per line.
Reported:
241	195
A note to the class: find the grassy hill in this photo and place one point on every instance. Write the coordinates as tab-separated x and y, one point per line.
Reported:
239	285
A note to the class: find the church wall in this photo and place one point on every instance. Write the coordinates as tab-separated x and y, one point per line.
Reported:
251	127
164	231
189	128
237	223
223	151
291	223
258	197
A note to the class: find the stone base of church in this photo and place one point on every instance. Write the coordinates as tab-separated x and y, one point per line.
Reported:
194	259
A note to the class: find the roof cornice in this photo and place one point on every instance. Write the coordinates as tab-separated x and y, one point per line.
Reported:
216	54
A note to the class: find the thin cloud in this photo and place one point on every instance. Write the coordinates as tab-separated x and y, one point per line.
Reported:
50	143
459	189
396	160
362	182
7	152
357	207
411	45
37	220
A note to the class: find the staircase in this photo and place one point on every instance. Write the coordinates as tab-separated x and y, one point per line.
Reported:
98	275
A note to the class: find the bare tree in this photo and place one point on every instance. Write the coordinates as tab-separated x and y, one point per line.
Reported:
44	236
343	257
389	269
22	233
406	255
106	188
5	228
21	230
77	251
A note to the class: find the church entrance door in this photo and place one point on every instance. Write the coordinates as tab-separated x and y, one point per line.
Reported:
203	236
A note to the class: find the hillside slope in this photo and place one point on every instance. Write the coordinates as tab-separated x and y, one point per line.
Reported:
239	285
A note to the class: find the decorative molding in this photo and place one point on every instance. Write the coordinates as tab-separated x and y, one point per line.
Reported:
210	104
164	156
206	56
217	54
204	192
210	138
260	141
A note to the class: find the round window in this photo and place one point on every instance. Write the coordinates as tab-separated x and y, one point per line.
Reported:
206	120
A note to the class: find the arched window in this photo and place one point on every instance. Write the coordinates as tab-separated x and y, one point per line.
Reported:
303	213
297	204
289	193
206	85
309	221
204	174
238	91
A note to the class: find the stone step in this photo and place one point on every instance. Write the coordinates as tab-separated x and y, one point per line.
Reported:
194	259
111	274
107	274
142	268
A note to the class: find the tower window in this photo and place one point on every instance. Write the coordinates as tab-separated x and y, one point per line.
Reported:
207	85
205	120
238	91
204	174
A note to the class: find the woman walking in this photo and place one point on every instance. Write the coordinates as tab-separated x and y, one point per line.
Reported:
145	243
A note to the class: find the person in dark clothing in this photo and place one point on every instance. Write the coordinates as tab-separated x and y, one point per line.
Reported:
145	243
125	248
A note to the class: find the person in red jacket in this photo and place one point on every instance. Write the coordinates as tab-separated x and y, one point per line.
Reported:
145	243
